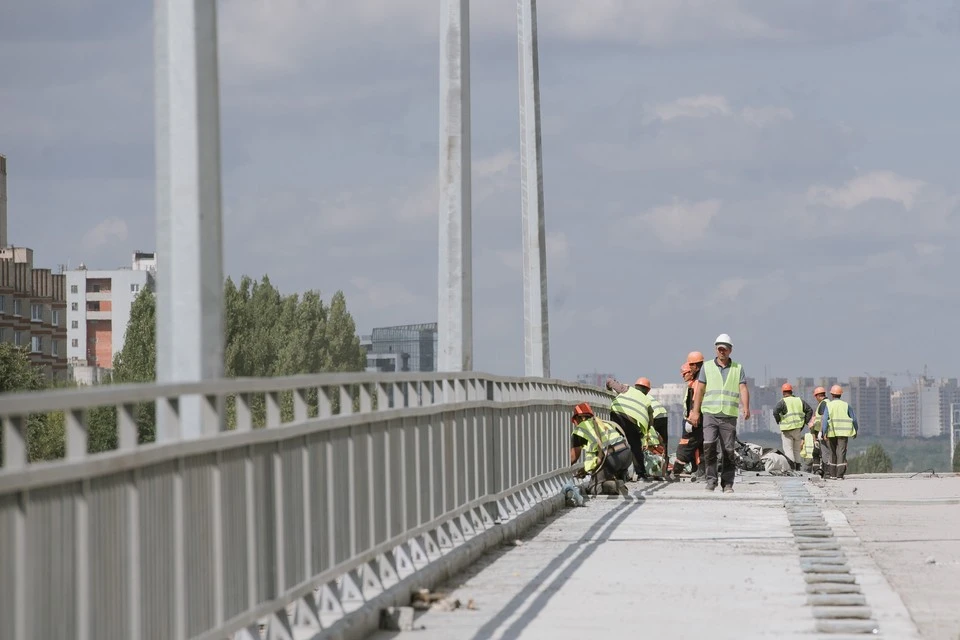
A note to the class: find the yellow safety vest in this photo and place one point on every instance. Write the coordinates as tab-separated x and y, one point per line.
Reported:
839	422
658	409
794	416
816	414
808	442
588	430
721	398
634	404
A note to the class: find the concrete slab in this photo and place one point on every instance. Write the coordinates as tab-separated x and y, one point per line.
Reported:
672	560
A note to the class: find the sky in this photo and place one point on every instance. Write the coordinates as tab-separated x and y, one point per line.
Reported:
783	171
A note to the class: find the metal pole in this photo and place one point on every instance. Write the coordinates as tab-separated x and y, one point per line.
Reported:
189	234
455	286
536	333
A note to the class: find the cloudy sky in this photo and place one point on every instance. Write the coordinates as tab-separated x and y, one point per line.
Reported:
780	170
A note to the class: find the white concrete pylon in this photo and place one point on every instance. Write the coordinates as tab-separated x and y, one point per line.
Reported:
536	334
455	285
189	234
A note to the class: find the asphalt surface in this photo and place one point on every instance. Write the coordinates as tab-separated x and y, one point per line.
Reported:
675	560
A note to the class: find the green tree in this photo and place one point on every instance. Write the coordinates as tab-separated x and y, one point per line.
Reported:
873	460
136	363
18	374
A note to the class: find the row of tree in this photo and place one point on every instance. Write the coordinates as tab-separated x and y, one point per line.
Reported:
266	334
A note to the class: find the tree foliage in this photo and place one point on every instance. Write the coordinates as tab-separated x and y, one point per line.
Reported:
873	460
267	334
956	458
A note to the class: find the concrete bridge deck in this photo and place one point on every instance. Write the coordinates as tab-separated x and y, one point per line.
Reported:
676	561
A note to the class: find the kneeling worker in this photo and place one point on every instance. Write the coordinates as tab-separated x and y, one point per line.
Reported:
606	454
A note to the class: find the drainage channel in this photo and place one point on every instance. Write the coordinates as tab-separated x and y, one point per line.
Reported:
839	607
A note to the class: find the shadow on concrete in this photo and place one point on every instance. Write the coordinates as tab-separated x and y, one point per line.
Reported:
583	548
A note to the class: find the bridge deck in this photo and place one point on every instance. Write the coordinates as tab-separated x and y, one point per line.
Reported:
673	561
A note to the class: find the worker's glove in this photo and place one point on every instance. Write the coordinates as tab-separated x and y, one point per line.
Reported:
580	474
687	427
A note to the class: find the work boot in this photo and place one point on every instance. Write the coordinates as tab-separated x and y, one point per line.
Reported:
728	489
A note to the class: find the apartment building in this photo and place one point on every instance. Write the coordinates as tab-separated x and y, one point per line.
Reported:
33	308
870	399
99	310
925	407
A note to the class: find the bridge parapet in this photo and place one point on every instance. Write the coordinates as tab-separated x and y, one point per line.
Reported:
356	486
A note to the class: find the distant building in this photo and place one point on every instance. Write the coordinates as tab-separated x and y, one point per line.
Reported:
870	399
98	312
3	201
923	413
596	379
410	347
32	306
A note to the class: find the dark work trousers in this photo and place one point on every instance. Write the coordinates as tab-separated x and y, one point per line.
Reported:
614	467
825	457
634	438
837	467
660	426
719	432
689	450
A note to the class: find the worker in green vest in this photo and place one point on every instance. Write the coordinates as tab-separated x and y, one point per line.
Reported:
807	452
606	455
838	425
658	421
633	412
792	413
821	452
720	395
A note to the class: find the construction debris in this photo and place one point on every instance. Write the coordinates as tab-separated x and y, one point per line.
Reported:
396	619
424	599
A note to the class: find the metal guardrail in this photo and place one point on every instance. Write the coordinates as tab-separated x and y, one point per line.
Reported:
297	523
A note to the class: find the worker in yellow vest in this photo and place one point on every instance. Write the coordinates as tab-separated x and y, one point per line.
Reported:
633	412
792	413
659	419
838	425
720	394
807	453
606	455
821	452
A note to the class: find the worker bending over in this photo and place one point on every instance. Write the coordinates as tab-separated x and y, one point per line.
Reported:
838	425
606	455
791	413
659	422
632	410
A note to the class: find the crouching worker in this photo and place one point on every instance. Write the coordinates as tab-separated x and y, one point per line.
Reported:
606	454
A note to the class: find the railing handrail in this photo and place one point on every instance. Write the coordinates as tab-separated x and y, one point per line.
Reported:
30	402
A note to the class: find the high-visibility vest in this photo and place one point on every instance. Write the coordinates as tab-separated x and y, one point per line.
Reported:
658	409
794	416
588	430
839	422
721	398
816	419
634	404
807	450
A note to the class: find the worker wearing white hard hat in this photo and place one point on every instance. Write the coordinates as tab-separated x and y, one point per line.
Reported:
720	394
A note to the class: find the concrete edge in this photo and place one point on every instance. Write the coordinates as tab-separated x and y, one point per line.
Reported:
364	621
890	612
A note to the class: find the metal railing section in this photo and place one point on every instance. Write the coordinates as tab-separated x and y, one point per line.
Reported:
297	523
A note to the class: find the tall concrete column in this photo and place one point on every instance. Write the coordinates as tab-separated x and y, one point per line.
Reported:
455	286
190	323
536	334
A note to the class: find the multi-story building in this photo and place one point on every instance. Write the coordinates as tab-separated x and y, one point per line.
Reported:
99	310
921	413
32	308
410	347
596	379
870	399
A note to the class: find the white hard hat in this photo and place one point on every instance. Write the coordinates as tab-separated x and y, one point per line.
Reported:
723	339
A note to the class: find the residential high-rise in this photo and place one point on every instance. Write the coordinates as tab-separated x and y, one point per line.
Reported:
870	399
410	347
32	310
921	412
98	309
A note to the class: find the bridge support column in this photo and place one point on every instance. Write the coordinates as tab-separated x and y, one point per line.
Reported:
455	286
188	201
536	335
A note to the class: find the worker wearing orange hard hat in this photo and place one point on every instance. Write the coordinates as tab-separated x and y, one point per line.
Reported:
838	425
606	454
633	412
819	451
658	423
792	413
690	447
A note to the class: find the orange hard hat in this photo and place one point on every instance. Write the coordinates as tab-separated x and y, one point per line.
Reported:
836	390
694	357
787	387
643	382
582	409
819	390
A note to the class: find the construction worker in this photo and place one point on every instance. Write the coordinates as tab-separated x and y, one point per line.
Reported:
821	451
807	453
720	394
659	421
632	410
838	424
690	448
606	455
792	413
